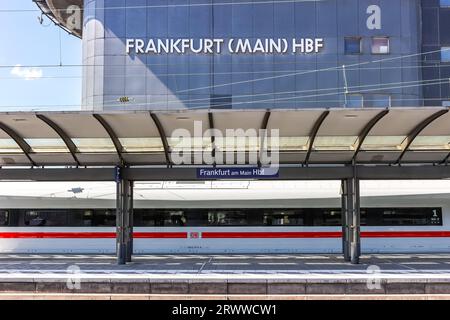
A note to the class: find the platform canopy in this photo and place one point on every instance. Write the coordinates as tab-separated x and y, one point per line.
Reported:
61	13
313	136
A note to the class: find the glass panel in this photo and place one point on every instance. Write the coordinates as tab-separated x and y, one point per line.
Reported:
94	144
388	143
446	103
142	144
431	143
445	3
4	217
47	145
238	143
355	101
9	146
352	45
193	144
288	143
445	54
380	100
380	45
335	143
227	218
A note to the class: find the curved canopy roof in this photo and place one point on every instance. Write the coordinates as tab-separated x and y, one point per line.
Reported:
60	11
313	136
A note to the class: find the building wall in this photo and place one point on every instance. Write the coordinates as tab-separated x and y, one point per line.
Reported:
435	35
177	81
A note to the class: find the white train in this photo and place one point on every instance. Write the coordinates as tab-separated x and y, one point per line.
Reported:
410	223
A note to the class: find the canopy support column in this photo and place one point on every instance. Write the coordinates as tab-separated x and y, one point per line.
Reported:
130	221
124	218
344	216
351	221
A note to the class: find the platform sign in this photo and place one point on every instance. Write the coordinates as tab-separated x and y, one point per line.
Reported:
236	173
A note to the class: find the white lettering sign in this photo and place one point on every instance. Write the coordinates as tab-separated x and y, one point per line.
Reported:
217	46
374	20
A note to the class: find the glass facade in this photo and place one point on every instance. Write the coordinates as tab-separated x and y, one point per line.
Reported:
250	80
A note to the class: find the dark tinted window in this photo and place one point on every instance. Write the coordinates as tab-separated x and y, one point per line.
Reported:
319	217
352	45
45	218
4	218
227	218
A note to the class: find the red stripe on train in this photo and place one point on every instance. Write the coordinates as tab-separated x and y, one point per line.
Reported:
90	235
223	235
364	234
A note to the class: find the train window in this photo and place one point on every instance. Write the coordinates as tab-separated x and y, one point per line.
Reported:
284	218
45	218
411	216
318	217
162	218
100	218
325	217
227	218
4	218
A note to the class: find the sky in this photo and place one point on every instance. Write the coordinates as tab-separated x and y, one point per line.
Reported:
25	42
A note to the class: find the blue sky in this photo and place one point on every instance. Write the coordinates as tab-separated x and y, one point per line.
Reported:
25	42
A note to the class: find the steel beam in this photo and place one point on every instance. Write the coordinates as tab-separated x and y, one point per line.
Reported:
355	222
130	246
313	135
344	220
417	130
112	135
262	139
23	145
381	172
213	138
124	212
366	130
59	174
63	135
163	137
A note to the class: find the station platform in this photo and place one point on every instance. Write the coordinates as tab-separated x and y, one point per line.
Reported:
224	276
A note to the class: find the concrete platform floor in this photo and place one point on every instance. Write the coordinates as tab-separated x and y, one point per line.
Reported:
382	276
285	265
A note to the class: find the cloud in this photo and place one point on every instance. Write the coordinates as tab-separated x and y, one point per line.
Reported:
27	73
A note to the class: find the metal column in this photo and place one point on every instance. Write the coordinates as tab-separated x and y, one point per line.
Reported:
130	222
124	218
351	225
345	225
354	220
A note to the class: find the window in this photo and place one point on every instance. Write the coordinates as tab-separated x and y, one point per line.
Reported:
445	3
352	45
355	101
409	216
381	100
284	218
45	218
272	217
221	101
160	218
445	54
227	218
446	103
4	218
380	45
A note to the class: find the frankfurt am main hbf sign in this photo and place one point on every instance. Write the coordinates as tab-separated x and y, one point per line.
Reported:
218	46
